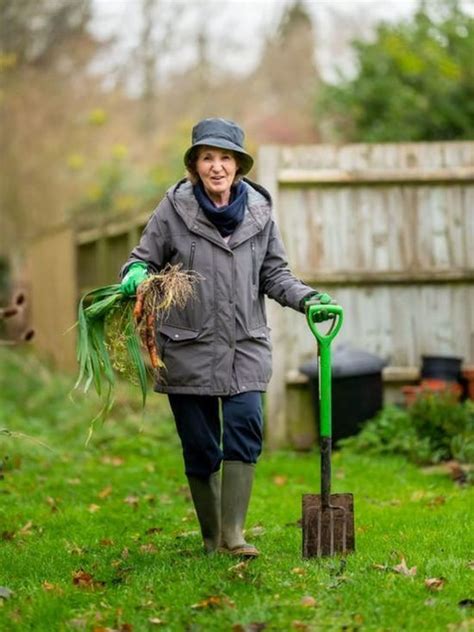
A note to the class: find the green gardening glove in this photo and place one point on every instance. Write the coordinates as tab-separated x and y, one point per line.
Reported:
318	299
136	274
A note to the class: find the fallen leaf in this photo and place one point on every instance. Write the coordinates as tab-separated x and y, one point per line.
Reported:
402	569
149	548
52	503
116	461
106	542
380	567
125	553
74	549
153	530
436	501
156	621
280	480
255	626
93	508
298	571
5	593
214	601
308	602
105	493
49	587
435	583
132	501
299	625
82	579
26	529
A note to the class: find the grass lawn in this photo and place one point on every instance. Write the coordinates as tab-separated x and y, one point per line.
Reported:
104	537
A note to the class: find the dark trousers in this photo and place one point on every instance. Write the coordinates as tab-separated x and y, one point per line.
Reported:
199	428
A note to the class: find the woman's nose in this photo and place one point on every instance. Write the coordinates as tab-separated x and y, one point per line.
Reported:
216	165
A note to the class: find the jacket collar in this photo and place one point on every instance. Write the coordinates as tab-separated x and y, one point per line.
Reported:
257	213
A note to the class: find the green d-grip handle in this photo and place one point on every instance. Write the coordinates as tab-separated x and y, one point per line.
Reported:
336	314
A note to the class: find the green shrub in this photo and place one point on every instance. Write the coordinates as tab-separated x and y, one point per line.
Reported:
435	428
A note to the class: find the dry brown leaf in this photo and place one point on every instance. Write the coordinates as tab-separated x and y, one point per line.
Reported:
82	579
106	542
436	501
93	508
149	548
214	601
26	528
435	583
298	571
49	587
308	602
280	480
255	626
402	569
116	461
105	493
74	549
132	501
153	530
299	625
52	503
125	553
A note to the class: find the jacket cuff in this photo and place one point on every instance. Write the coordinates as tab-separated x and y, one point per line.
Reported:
305	298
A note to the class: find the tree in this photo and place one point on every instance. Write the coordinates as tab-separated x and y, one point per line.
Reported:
414	82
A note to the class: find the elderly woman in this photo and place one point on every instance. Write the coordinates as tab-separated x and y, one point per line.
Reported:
217	349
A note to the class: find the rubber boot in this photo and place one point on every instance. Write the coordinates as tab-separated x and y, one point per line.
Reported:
206	495
237	479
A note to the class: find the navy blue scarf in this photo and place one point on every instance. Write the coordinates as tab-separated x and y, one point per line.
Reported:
225	218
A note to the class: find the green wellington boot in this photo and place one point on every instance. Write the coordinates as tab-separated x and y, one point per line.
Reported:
206	496
237	479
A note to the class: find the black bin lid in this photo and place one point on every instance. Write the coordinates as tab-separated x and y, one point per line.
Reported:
348	361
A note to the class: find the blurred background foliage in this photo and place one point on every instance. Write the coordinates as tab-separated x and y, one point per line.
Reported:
77	142
414	81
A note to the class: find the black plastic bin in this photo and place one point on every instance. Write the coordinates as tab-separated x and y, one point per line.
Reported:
357	388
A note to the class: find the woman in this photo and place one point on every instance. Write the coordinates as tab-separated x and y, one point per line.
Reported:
217	349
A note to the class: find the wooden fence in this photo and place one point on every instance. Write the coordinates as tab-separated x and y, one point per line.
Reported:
388	230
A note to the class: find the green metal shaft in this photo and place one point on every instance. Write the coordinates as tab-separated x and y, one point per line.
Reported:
325	399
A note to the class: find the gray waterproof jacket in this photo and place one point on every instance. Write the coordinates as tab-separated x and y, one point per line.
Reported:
219	344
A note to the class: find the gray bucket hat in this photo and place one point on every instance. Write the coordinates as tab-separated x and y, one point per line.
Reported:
219	132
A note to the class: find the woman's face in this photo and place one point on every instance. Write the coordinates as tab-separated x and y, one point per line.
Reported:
216	168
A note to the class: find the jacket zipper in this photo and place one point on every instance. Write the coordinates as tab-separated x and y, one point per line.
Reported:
254	262
191	255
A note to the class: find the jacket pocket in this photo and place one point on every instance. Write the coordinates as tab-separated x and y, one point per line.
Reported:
187	359
178	334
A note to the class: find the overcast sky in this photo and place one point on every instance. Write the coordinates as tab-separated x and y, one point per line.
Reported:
237	29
